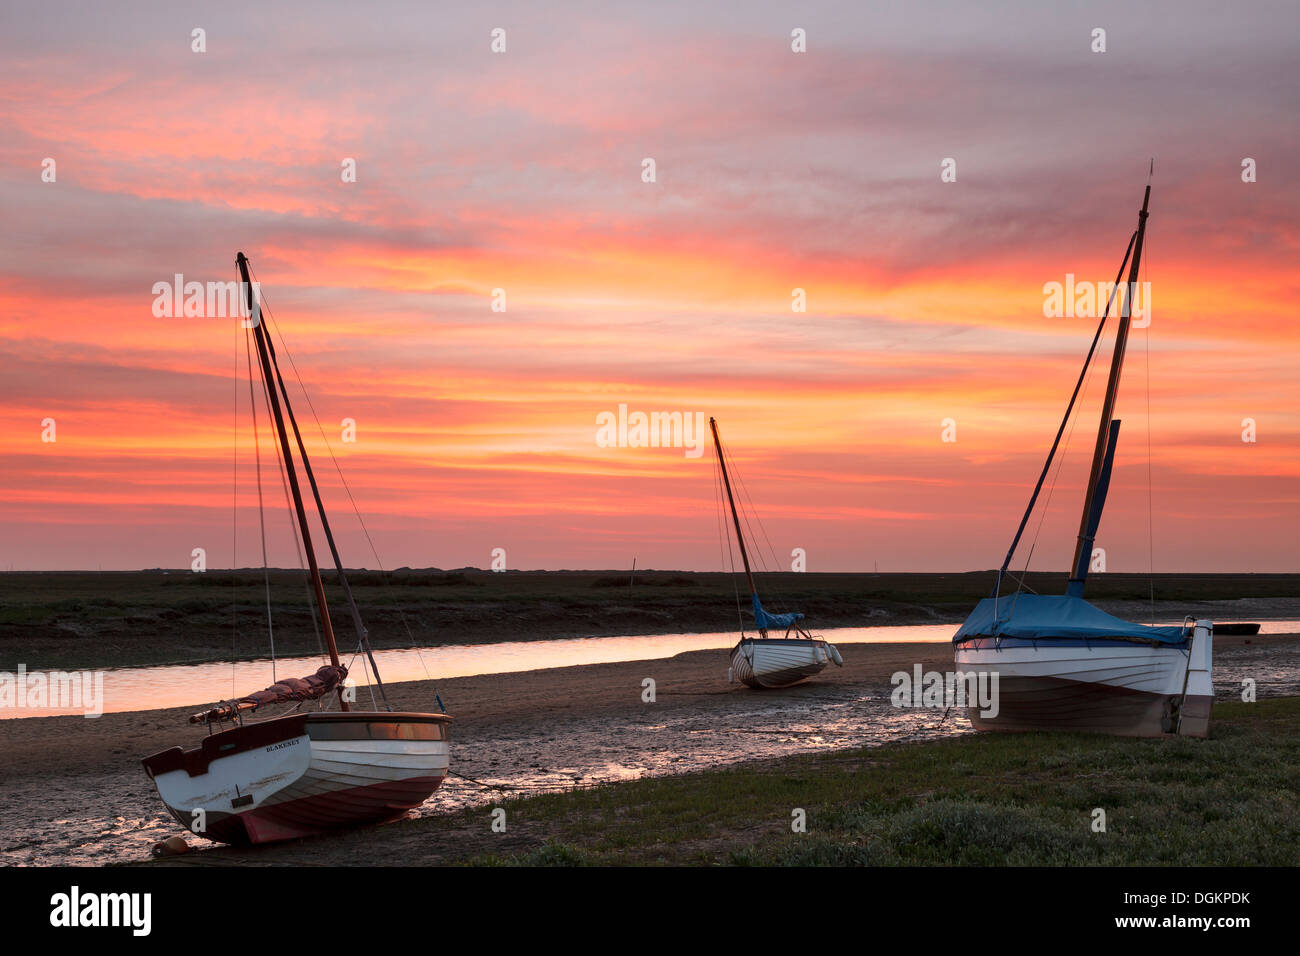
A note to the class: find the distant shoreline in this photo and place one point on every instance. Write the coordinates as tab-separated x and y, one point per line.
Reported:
106	619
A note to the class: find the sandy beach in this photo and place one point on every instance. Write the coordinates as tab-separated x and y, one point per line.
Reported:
75	792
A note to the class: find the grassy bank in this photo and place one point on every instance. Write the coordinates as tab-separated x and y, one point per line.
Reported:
976	800
104	619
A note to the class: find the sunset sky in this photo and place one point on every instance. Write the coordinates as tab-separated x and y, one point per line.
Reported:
775	170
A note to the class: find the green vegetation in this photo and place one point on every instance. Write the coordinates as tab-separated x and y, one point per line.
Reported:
987	799
104	619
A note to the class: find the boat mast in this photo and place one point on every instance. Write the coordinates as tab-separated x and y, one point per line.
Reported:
1065	419
318	587
1104	452
740	537
363	635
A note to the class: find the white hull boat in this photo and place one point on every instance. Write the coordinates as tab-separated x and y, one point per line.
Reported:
303	774
780	661
1060	662
1125	687
255	780
764	661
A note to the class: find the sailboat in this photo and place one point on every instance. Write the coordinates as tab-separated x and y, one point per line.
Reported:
766	661
306	772
1064	664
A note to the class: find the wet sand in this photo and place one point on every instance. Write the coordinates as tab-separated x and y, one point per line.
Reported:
75	792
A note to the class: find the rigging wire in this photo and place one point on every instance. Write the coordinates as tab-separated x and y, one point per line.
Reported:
1151	535
261	513
269	315
724	533
758	559
1051	490
234	531
363	643
293	525
777	598
373	550
1085	380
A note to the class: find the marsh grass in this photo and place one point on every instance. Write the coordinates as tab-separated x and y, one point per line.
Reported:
82	619
979	800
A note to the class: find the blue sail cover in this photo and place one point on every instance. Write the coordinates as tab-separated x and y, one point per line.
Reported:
1052	616
765	621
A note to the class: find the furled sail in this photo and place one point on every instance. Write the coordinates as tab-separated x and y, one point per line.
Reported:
312	687
766	621
1042	617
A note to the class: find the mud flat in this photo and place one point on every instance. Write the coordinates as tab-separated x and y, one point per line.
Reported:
75	792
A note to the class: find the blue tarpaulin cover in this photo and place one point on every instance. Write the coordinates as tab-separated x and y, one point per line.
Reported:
1045	616
773	622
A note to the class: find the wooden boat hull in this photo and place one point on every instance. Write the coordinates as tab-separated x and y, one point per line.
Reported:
769	662
1132	689
303	774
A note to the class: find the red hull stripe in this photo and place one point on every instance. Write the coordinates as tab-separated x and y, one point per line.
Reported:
318	813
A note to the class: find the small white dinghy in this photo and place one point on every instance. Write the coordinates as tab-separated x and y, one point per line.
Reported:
764	661
781	661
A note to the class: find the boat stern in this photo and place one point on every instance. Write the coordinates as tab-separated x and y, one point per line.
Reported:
1198	699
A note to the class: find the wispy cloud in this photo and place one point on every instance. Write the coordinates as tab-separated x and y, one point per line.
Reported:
776	171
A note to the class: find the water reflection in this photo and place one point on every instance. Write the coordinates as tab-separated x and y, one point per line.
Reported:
152	688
